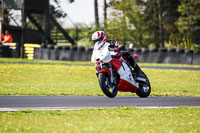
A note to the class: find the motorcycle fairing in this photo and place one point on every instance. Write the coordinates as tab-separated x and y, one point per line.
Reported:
125	86
116	64
127	83
101	53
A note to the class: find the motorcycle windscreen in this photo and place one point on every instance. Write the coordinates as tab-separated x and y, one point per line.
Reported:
101	55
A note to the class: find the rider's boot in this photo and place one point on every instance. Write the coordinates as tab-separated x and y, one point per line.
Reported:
139	71
133	64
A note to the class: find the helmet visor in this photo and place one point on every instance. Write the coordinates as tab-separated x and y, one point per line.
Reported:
98	40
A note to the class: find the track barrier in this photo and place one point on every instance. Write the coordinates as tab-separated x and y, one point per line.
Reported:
29	50
163	55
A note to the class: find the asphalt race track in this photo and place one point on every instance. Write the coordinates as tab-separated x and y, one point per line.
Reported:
14	103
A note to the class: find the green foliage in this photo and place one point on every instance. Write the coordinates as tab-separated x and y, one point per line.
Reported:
151	23
179	41
189	10
143	22
127	23
117	30
85	33
161	15
189	21
82	34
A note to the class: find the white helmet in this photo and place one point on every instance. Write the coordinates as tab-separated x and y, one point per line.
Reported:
98	36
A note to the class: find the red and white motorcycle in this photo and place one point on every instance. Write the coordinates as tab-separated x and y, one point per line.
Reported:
115	74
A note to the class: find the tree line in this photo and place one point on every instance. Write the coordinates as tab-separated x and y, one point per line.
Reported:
152	23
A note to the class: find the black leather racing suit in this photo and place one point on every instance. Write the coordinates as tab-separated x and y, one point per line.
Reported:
127	56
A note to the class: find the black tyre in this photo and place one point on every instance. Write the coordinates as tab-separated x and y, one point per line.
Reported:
144	89
104	82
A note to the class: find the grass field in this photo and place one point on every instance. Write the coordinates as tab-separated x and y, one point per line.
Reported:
110	120
37	79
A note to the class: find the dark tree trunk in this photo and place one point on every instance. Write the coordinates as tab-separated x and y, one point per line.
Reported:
161	30
156	27
96	13
5	16
105	13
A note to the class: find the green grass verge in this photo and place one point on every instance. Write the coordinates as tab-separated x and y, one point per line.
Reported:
16	60
168	65
111	120
28	79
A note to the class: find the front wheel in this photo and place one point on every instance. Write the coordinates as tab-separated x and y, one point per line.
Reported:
108	89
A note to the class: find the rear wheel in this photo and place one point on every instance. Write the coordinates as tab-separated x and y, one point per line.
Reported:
144	89
110	90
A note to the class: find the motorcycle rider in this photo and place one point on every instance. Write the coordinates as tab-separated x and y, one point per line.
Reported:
99	38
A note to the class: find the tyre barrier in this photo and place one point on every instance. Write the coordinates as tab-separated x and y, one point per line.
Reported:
5	51
196	58
63	53
8	50
162	55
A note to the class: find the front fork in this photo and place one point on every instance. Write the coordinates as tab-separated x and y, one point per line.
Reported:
111	83
112	78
